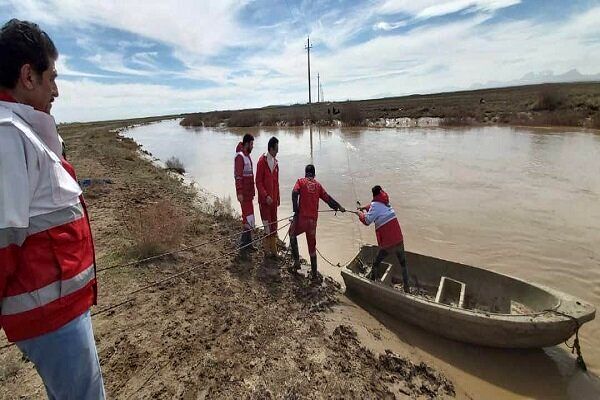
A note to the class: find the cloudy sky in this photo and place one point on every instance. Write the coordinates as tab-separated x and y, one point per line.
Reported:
128	58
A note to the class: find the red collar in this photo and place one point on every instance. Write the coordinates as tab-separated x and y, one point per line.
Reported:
5	96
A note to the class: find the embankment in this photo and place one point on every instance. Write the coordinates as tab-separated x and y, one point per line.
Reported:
231	328
557	104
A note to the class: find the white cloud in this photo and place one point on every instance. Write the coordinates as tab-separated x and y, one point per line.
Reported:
63	69
111	61
434	8
430	58
199	27
389	26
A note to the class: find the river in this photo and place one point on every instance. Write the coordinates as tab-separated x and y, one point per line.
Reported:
520	201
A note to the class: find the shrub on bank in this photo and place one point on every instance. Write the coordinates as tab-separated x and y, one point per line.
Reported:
549	99
244	119
351	115
175	164
155	229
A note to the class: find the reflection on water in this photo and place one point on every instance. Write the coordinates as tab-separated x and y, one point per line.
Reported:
519	201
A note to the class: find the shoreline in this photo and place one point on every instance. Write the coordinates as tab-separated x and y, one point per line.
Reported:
233	327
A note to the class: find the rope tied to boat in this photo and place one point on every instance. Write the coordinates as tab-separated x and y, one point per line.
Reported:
575	347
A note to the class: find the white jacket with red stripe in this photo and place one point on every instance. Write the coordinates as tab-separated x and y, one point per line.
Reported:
387	227
47	270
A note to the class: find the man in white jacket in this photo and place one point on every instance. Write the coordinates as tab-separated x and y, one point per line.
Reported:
47	268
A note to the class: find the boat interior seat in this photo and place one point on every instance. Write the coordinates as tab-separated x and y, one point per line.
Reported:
451	292
386	278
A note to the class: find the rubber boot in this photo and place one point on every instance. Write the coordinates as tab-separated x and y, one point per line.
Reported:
273	247
314	274
247	240
295	253
267	249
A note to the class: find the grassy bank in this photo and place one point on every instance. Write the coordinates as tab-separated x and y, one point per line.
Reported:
233	327
559	104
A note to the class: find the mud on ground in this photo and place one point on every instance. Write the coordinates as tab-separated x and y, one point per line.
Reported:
235	327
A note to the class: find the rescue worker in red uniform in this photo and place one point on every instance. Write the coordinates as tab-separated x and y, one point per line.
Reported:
388	232
305	201
47	266
267	185
244	188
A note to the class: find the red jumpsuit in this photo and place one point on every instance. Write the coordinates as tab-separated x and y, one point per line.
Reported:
310	191
244	185
267	184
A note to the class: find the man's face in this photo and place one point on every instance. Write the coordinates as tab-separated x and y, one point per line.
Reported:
274	150
43	89
249	146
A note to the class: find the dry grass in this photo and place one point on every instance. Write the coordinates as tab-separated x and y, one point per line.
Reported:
155	229
351	115
596	121
175	164
549	99
9	369
521	104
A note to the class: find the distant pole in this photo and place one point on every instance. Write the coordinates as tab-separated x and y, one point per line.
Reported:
321	91
308	47
318	88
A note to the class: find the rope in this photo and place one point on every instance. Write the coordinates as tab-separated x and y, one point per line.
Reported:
353	190
182	249
112	307
338	265
575	347
182	273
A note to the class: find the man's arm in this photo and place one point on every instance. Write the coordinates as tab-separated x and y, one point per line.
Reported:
238	173
14	202
260	174
330	200
368	217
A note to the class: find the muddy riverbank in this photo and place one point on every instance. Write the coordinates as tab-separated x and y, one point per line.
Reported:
514	200
233	327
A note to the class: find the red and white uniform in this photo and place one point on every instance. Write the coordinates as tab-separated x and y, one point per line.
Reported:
267	184
311	192
47	269
387	227
244	184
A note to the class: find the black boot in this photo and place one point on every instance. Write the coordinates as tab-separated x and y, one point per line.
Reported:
295	253
314	274
246	242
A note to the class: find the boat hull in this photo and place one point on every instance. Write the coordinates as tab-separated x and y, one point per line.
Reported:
533	330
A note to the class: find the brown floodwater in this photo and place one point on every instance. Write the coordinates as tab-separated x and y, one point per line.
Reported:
520	201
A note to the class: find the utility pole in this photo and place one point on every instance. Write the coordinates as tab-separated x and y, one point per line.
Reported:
308	47
318	88
321	92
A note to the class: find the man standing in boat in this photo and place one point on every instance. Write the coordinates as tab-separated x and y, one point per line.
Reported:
387	230
267	185
305	202
244	187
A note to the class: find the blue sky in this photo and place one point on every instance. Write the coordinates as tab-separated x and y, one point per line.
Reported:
133	58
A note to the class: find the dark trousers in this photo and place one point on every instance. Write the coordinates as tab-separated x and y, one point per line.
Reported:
383	253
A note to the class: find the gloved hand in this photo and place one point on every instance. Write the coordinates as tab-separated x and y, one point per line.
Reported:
342	209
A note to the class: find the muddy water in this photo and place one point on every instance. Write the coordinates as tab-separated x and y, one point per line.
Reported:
519	201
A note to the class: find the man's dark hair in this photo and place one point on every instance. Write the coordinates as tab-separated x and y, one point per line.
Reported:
309	170
272	143
247	138
376	190
23	42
